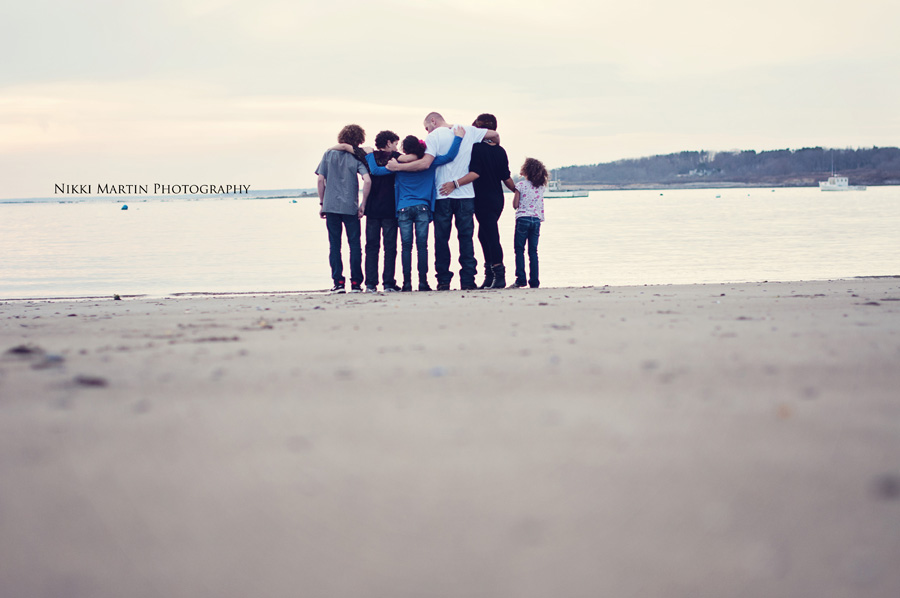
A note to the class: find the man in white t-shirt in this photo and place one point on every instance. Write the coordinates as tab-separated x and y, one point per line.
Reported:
459	205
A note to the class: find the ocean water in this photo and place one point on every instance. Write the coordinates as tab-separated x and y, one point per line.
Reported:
156	247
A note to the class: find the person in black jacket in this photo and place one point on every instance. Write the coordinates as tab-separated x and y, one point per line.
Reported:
381	217
488	171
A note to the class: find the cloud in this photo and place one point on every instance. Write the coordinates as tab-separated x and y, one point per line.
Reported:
179	86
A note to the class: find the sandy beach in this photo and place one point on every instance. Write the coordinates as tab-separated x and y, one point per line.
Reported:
700	440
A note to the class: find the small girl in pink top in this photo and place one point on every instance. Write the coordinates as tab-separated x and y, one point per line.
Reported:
529	204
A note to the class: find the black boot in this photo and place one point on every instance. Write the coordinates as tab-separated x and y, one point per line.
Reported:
499	277
488	277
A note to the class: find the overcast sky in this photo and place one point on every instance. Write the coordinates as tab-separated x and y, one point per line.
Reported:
225	91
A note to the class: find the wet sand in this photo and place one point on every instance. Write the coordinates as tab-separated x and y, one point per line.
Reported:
704	440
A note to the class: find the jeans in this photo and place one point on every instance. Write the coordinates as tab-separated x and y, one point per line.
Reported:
375	228
444	212
351	223
528	229
489	233
414	217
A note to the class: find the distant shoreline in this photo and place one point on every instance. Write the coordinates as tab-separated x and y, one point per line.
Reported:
739	168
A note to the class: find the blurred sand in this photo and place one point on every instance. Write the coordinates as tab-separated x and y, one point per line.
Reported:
708	440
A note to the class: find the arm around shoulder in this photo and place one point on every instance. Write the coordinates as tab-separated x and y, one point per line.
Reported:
450	155
374	168
416	166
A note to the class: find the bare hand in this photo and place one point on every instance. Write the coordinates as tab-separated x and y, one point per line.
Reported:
360	212
447	188
459	130
322	213
393	165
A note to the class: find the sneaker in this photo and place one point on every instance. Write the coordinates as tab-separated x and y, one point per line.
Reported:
407	288
516	285
338	288
468	287
371	289
442	286
355	287
392	288
423	286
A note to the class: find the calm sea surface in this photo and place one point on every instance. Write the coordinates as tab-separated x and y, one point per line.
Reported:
612	237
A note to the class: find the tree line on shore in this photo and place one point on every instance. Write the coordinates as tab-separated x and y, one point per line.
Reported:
807	166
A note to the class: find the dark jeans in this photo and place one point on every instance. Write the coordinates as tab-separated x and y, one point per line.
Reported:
414	217
375	228
489	233
528	230
444	212
334	222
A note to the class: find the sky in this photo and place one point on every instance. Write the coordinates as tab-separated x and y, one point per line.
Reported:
239	92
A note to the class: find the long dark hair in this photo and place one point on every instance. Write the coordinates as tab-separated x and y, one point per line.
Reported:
412	145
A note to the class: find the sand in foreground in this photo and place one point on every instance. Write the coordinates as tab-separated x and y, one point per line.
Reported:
712	440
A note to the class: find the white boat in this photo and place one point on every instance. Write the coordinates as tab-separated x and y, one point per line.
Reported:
839	183
554	190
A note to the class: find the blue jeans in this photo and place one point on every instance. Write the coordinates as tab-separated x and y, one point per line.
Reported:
375	228
414	217
528	230
334	222
444	212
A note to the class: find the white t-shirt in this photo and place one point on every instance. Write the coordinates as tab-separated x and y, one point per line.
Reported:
438	142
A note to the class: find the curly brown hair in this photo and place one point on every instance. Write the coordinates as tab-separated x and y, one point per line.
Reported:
355	135
385	137
535	172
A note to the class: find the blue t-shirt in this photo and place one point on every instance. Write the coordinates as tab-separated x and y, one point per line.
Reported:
412	188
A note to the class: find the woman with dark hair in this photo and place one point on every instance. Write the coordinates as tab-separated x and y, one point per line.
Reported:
488	171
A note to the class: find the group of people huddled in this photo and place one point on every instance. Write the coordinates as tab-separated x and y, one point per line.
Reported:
454	176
